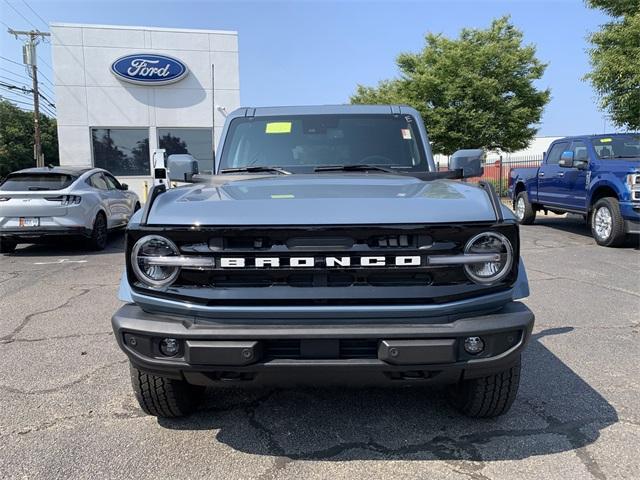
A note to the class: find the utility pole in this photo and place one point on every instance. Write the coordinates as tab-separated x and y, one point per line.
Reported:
29	58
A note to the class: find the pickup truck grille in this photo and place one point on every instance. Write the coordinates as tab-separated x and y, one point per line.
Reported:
343	264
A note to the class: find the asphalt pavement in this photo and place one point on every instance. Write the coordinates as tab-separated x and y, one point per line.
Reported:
67	408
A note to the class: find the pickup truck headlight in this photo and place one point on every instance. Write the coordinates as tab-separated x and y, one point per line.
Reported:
149	261
487	273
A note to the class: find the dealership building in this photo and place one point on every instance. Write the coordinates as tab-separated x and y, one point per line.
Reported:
124	92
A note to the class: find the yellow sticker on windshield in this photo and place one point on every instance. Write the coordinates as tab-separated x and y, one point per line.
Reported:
605	140
282	195
278	127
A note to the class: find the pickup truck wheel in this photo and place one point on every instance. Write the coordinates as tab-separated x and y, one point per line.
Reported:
7	246
486	397
525	213
607	225
164	397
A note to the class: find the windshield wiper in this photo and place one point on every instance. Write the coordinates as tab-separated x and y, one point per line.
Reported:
625	156
255	169
38	188
352	168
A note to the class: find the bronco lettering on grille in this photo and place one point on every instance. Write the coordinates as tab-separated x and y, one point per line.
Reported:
329	262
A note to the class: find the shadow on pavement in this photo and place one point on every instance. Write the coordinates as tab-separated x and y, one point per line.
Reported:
576	225
555	411
68	247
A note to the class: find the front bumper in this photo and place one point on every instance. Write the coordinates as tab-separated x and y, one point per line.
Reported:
315	351
630	212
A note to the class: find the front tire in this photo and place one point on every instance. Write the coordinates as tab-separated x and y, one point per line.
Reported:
7	246
524	211
98	239
607	225
488	396
164	397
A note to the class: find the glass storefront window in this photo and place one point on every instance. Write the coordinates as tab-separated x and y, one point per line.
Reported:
198	142
122	151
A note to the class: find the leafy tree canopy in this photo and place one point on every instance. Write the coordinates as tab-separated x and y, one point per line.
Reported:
615	61
16	139
473	91
616	8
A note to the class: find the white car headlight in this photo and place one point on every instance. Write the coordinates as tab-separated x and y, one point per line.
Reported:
487	273
147	258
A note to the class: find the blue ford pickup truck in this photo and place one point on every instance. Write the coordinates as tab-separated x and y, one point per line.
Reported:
597	176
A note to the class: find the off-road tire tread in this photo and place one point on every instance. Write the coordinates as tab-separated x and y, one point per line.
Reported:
529	213
618	235
489	396
164	397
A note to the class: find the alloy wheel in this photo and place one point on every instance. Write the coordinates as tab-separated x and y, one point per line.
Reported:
603	223
520	207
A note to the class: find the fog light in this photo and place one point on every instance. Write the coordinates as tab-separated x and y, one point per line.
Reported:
473	345
169	346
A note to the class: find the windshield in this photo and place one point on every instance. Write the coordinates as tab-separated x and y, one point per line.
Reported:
621	146
300	144
37	181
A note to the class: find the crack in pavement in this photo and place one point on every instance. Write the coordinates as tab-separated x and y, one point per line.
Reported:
577	439
59	337
64	385
12	276
25	321
444	448
56	421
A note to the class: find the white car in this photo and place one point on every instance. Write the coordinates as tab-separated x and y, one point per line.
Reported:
38	203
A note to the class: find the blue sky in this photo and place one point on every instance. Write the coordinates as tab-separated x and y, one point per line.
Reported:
314	52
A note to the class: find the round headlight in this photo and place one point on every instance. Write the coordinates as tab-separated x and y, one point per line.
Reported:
149	272
489	272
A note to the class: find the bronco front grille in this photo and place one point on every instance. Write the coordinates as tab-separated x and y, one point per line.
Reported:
319	282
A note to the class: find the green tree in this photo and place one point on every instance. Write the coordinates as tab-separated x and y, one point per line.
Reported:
474	91
173	144
615	61
16	139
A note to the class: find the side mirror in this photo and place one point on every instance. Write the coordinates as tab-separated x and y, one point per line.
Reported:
566	159
124	186
182	168
581	164
469	161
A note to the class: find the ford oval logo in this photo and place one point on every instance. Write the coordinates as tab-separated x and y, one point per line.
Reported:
149	69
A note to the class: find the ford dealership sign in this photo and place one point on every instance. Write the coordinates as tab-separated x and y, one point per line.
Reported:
149	69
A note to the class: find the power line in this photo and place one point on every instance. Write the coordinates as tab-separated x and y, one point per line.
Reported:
18	12
48	102
13	85
44	106
20	64
36	14
45	77
22	77
26	101
11	61
19	101
48	110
